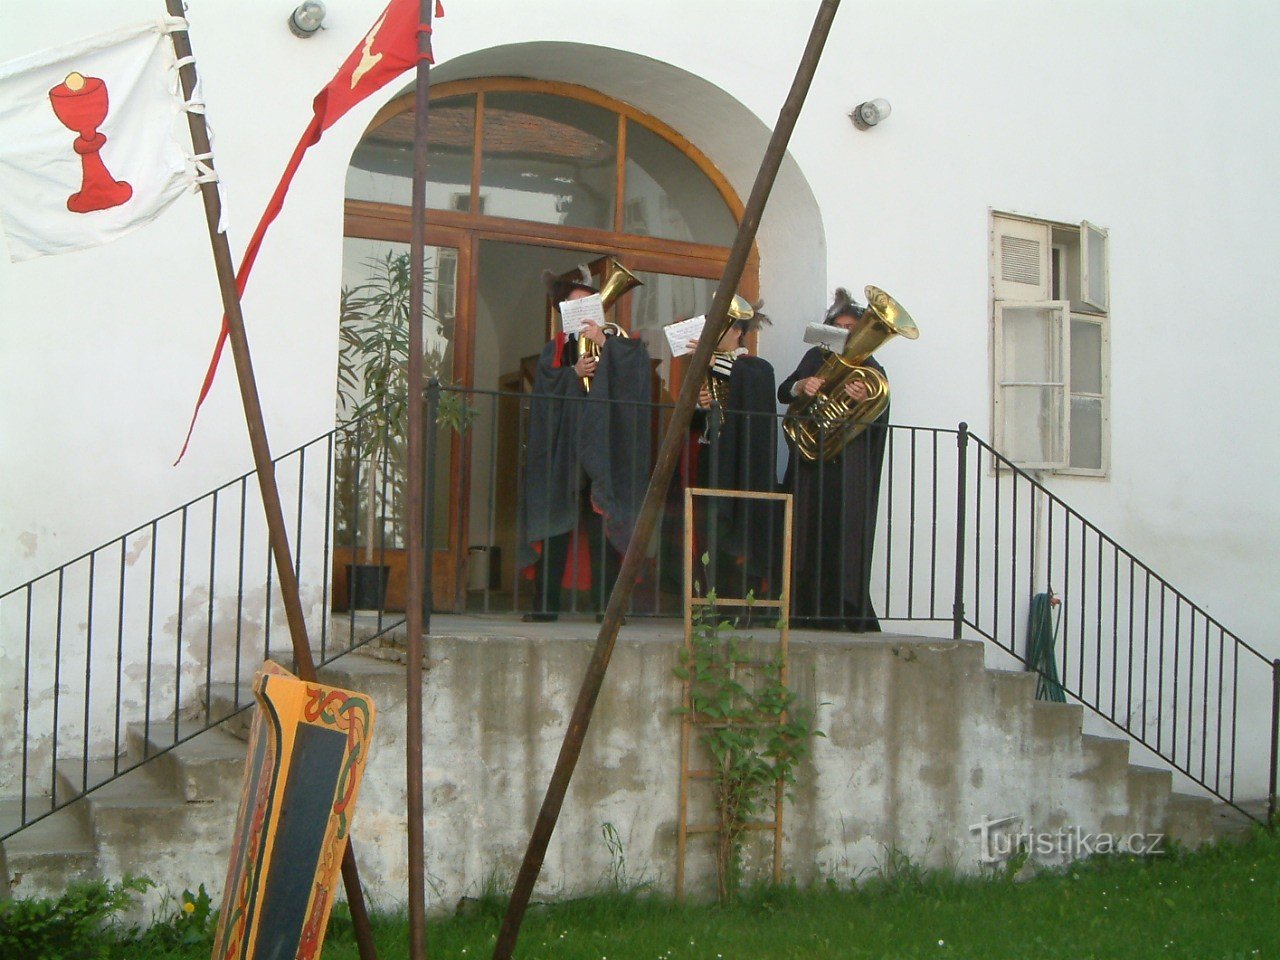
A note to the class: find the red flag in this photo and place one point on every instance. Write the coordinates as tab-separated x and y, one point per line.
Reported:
385	52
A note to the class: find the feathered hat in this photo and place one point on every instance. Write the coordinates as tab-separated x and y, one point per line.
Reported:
841	305
559	287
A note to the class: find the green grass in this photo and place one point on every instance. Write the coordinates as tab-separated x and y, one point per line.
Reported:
1222	903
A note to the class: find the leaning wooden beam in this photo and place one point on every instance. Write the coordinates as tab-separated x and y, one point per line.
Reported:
668	455
418	562
276	531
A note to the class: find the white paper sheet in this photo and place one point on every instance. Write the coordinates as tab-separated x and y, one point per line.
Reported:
826	335
574	313
683	334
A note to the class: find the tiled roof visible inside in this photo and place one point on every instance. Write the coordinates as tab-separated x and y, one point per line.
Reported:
506	132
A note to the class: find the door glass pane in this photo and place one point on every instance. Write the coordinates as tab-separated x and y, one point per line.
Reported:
1086	357
372	366
549	159
1030	429
1086	433
663	299
668	196
382	166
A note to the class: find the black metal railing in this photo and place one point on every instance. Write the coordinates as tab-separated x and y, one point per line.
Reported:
148	640
912	537
962	536
157	632
1127	644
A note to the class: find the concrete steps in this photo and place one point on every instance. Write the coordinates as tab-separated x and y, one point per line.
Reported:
916	719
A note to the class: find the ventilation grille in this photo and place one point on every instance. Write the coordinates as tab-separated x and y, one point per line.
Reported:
1019	260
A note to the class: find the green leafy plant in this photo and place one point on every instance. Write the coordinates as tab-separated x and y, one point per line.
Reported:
750	725
373	363
195	919
68	927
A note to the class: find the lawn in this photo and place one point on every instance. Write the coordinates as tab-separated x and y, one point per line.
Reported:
1221	903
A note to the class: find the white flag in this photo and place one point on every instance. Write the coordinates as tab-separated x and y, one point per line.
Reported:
88	145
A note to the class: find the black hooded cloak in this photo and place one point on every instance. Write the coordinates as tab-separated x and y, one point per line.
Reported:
835	509
741	454
576	440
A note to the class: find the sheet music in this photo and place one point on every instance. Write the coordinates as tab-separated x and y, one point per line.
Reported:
574	313
682	334
826	335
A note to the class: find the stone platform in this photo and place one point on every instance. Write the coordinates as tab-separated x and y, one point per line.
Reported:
923	744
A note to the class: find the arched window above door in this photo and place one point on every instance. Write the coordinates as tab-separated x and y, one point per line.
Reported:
548	153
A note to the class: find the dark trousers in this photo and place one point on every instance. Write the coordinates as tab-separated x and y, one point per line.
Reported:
556	555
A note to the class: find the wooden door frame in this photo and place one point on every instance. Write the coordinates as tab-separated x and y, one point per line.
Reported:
465	230
373	221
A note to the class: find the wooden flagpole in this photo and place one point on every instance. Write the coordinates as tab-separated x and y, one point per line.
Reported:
277	534
668	454
418	568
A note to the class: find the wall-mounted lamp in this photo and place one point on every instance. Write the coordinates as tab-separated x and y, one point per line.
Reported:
306	19
867	115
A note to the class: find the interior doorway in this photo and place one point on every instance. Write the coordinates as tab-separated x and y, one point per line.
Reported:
527	176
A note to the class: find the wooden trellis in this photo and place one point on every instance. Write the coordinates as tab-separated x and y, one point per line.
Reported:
689	721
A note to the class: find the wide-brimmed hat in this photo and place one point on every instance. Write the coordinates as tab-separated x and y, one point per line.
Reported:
560	286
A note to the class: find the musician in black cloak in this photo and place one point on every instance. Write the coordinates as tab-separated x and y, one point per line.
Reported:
586	462
735	427
835	504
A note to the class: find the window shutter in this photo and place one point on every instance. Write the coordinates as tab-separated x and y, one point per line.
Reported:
1020	259
1094	278
1033	369
1089	395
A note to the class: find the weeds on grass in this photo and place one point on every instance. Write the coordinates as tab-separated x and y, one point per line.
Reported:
1217	903
81	924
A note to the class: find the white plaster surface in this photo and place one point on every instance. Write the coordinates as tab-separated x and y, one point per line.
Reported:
1154	121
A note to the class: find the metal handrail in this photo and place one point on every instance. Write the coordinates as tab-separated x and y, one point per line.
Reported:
224	574
1175	674
79	705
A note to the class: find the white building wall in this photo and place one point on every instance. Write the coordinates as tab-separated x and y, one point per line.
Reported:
1153	121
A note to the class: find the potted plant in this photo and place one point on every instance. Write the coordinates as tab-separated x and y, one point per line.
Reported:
372	394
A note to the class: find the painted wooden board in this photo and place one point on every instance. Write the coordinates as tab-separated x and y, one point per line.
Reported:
307	749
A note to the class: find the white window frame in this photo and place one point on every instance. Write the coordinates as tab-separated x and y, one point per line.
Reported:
1089	236
1063	386
1019	225
1101	321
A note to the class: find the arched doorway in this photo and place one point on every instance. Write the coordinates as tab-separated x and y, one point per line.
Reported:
526	175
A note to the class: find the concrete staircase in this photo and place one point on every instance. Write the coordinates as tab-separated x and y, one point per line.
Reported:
496	702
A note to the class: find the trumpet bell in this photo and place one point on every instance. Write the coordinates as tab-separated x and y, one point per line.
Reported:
740	309
620	281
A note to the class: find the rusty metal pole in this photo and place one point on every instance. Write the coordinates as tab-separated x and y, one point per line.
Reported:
668	454
416	470
277	534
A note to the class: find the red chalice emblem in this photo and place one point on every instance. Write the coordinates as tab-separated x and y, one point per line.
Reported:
81	104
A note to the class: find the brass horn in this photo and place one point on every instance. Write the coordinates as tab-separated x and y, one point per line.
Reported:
718	387
820	426
619	281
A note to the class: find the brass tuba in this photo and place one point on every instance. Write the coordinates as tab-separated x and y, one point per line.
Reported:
820	426
619	281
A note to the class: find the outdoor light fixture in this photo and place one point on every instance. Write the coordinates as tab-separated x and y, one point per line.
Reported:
866	115
306	19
